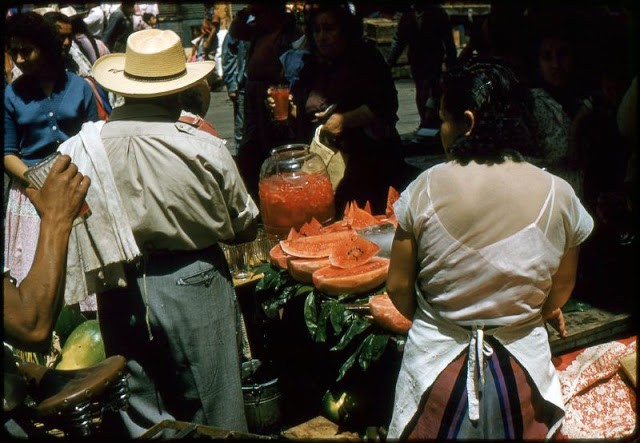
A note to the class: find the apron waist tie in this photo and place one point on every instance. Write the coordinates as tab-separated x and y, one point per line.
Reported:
478	350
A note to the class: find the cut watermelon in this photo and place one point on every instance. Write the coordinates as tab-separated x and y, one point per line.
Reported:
302	269
315	246
387	316
312	227
335	281
278	258
353	252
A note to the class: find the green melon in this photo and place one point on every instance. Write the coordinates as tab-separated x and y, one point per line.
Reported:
70	317
337	406
83	348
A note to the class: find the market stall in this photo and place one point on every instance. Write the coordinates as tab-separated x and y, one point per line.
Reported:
336	364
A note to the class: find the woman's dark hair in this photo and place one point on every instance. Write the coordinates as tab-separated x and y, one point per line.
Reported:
349	23
498	101
32	27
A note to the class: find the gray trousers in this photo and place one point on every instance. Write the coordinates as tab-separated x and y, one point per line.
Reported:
190	369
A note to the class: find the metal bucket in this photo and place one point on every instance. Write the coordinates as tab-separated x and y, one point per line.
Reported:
263	407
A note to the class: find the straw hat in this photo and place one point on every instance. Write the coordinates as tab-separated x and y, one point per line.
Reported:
154	65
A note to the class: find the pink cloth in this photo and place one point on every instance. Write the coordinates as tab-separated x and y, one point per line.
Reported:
599	401
22	225
22	228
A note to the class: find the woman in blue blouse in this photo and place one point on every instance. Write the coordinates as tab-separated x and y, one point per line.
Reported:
42	108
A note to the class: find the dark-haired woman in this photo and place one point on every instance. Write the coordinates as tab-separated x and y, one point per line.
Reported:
42	108
485	252
342	69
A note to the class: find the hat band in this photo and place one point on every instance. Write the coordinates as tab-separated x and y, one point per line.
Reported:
157	78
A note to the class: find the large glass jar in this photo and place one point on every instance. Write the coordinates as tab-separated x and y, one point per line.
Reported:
294	187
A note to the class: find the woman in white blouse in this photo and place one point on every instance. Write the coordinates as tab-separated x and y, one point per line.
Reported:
485	252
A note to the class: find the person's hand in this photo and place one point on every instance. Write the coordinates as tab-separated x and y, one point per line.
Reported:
270	103
556	319
334	124
233	96
62	194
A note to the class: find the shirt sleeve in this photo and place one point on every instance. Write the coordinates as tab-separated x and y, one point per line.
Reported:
10	129
241	208
404	208
580	222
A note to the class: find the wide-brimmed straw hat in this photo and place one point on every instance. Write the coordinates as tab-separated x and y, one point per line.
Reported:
153	65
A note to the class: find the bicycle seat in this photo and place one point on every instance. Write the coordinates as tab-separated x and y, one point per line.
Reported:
54	390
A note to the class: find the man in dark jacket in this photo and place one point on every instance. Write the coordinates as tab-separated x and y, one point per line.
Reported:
119	27
234	59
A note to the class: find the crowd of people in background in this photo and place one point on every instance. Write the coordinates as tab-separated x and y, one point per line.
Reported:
576	89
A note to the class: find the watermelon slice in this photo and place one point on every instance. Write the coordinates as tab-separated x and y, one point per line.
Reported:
302	269
359	218
386	315
316	246
335	281
312	227
278	258
353	252
392	197
340	225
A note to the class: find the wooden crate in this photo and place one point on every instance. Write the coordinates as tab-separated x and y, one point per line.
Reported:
380	30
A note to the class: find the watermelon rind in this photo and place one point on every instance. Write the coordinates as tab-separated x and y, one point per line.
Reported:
335	281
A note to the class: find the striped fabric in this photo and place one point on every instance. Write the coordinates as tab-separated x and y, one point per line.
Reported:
510	407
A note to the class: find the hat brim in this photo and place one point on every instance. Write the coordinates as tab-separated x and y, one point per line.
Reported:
108	71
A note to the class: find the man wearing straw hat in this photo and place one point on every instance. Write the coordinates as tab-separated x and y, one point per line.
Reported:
176	321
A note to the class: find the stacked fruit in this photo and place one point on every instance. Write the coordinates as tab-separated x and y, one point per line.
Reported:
335	258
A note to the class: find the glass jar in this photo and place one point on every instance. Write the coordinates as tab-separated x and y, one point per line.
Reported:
294	187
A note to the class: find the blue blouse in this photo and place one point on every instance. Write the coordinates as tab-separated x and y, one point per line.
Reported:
35	125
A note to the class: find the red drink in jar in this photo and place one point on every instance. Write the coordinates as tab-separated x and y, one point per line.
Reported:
290	200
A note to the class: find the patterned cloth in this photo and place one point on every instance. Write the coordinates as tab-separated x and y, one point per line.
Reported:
22	228
599	402
22	225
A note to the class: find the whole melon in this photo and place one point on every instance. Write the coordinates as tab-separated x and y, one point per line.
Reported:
337	406
335	281
83	348
70	317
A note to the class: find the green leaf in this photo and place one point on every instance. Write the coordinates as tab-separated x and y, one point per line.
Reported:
303	289
359	325
311	313
372	349
321	332
349	362
337	317
270	279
